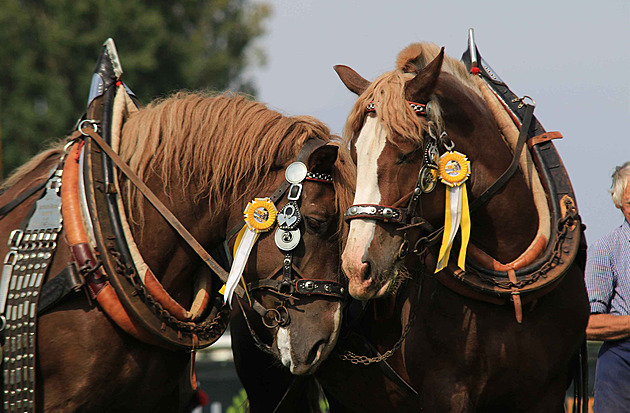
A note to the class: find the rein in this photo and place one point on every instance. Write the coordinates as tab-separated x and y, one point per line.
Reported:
162	209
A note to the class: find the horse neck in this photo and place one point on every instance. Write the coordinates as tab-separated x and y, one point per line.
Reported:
164	251
506	225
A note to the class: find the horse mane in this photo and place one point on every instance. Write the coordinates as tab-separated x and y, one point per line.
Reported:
55	151
387	93
218	146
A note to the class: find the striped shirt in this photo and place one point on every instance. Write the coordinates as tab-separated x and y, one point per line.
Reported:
607	273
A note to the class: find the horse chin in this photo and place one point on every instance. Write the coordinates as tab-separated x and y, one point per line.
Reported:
303	353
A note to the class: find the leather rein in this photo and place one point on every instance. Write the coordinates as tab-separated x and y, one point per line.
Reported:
286	286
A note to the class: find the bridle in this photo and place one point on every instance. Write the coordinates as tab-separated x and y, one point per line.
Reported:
427	180
288	236
407	217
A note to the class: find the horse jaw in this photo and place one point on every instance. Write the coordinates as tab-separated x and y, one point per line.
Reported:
302	350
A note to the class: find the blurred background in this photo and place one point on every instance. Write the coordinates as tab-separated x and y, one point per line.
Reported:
570	57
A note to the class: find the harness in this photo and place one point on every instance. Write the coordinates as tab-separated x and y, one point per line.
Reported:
111	272
477	281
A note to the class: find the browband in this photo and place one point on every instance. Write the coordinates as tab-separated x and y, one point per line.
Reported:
419	108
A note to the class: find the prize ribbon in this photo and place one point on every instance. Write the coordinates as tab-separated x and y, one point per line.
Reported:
454	170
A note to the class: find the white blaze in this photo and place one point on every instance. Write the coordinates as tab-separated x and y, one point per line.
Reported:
284	347
369	146
283	340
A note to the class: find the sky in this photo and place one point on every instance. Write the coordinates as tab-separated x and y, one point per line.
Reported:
571	57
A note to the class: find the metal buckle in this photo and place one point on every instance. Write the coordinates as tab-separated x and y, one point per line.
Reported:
294	192
15	238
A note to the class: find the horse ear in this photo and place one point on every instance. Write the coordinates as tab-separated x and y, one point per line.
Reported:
353	81
420	88
323	159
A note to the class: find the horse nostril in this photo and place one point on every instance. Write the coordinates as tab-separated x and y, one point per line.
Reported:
365	270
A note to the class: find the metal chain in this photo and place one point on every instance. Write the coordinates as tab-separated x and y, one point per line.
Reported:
563	226
365	360
206	329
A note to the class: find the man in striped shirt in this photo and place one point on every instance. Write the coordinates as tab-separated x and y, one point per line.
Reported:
608	284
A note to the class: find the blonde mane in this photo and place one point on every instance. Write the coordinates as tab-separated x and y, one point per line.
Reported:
387	93
219	147
55	151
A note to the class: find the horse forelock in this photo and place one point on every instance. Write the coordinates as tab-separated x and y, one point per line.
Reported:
344	181
387	93
416	56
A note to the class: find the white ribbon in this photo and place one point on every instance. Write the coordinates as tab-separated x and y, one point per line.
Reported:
240	259
454	212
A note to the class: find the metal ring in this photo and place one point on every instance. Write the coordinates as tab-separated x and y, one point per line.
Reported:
276	318
446	141
521	100
284	316
89	122
3	322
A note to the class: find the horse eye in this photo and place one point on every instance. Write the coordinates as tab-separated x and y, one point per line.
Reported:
406	157
315	225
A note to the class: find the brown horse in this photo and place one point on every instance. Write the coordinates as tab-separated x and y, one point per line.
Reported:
205	157
463	345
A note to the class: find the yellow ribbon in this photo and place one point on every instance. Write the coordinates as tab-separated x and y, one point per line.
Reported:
454	171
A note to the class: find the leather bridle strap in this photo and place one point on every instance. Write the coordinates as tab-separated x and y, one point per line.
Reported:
307	149
505	177
164	211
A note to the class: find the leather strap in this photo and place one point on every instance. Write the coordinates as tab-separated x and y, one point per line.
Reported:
10	206
542	138
516	297
505	177
164	211
68	281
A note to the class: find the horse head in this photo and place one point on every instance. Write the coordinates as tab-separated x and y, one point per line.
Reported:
227	158
304	316
400	125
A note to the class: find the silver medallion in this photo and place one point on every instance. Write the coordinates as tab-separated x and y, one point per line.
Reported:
289	216
287	240
296	172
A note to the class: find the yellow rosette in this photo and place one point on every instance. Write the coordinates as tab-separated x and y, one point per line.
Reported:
260	214
454	170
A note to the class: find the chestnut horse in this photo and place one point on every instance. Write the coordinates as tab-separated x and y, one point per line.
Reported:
462	348
205	156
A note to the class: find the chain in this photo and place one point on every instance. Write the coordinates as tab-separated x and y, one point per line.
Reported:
365	360
563	226
206	329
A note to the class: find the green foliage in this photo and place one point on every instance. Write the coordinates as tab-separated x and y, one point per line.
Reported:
239	403
48	49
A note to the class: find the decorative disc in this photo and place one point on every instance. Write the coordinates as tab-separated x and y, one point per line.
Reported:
454	168
287	240
432	155
428	179
260	214
289	216
296	172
